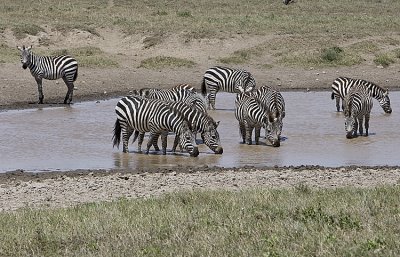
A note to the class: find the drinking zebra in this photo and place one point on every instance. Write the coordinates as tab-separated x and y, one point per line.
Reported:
227	80
253	114
201	122
342	85
135	113
275	103
357	106
51	68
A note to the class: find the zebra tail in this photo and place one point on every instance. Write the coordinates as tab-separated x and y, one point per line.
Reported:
203	88
75	75
117	134
333	96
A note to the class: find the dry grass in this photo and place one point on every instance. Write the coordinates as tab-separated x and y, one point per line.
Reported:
302	29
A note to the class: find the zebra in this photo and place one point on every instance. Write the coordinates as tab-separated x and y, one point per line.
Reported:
201	122
253	114
342	85
186	87
286	2
175	93
227	80
51	68
273	99
357	105
137	114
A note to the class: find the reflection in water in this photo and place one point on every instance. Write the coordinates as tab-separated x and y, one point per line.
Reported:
79	137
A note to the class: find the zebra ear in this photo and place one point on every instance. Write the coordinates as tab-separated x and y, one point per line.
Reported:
19	48
217	123
29	48
387	91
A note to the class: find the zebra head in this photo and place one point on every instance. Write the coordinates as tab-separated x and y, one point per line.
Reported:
25	56
350	121
385	102
274	128
187	139
350	126
210	137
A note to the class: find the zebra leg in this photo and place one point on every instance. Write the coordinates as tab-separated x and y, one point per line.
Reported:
140	141
155	142
150	142
40	90
257	132
360	125
126	134
211	98
164	142
249	133
366	124
176	142
70	92
338	103
242	129
355	128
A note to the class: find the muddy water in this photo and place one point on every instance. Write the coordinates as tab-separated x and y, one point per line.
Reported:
79	137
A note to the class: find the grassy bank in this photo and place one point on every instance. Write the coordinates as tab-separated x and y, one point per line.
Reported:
305	33
292	222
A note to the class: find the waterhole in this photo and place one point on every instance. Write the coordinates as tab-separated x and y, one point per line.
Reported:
80	137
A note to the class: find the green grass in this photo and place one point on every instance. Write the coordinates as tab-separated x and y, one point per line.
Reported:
260	222
161	62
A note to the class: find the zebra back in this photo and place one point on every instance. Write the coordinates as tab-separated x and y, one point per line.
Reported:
342	85
135	113
228	80
49	67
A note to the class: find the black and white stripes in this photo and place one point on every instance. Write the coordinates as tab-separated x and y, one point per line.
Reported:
357	107
51	68
227	80
137	114
342	85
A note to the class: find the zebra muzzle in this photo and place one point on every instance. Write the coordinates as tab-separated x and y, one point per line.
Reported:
24	66
276	143
195	152
218	150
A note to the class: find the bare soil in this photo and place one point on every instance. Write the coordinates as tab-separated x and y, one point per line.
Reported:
60	189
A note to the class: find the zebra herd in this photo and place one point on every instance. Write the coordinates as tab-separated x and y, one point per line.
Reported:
182	110
356	96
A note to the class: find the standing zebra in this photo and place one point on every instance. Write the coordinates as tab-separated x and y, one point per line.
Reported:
137	114
227	80
253	114
357	105
275	103
342	85
50	67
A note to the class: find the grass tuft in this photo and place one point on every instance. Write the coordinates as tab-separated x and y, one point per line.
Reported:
22	30
89	56
384	59
160	62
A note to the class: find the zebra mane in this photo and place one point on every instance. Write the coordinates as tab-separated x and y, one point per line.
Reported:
180	114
